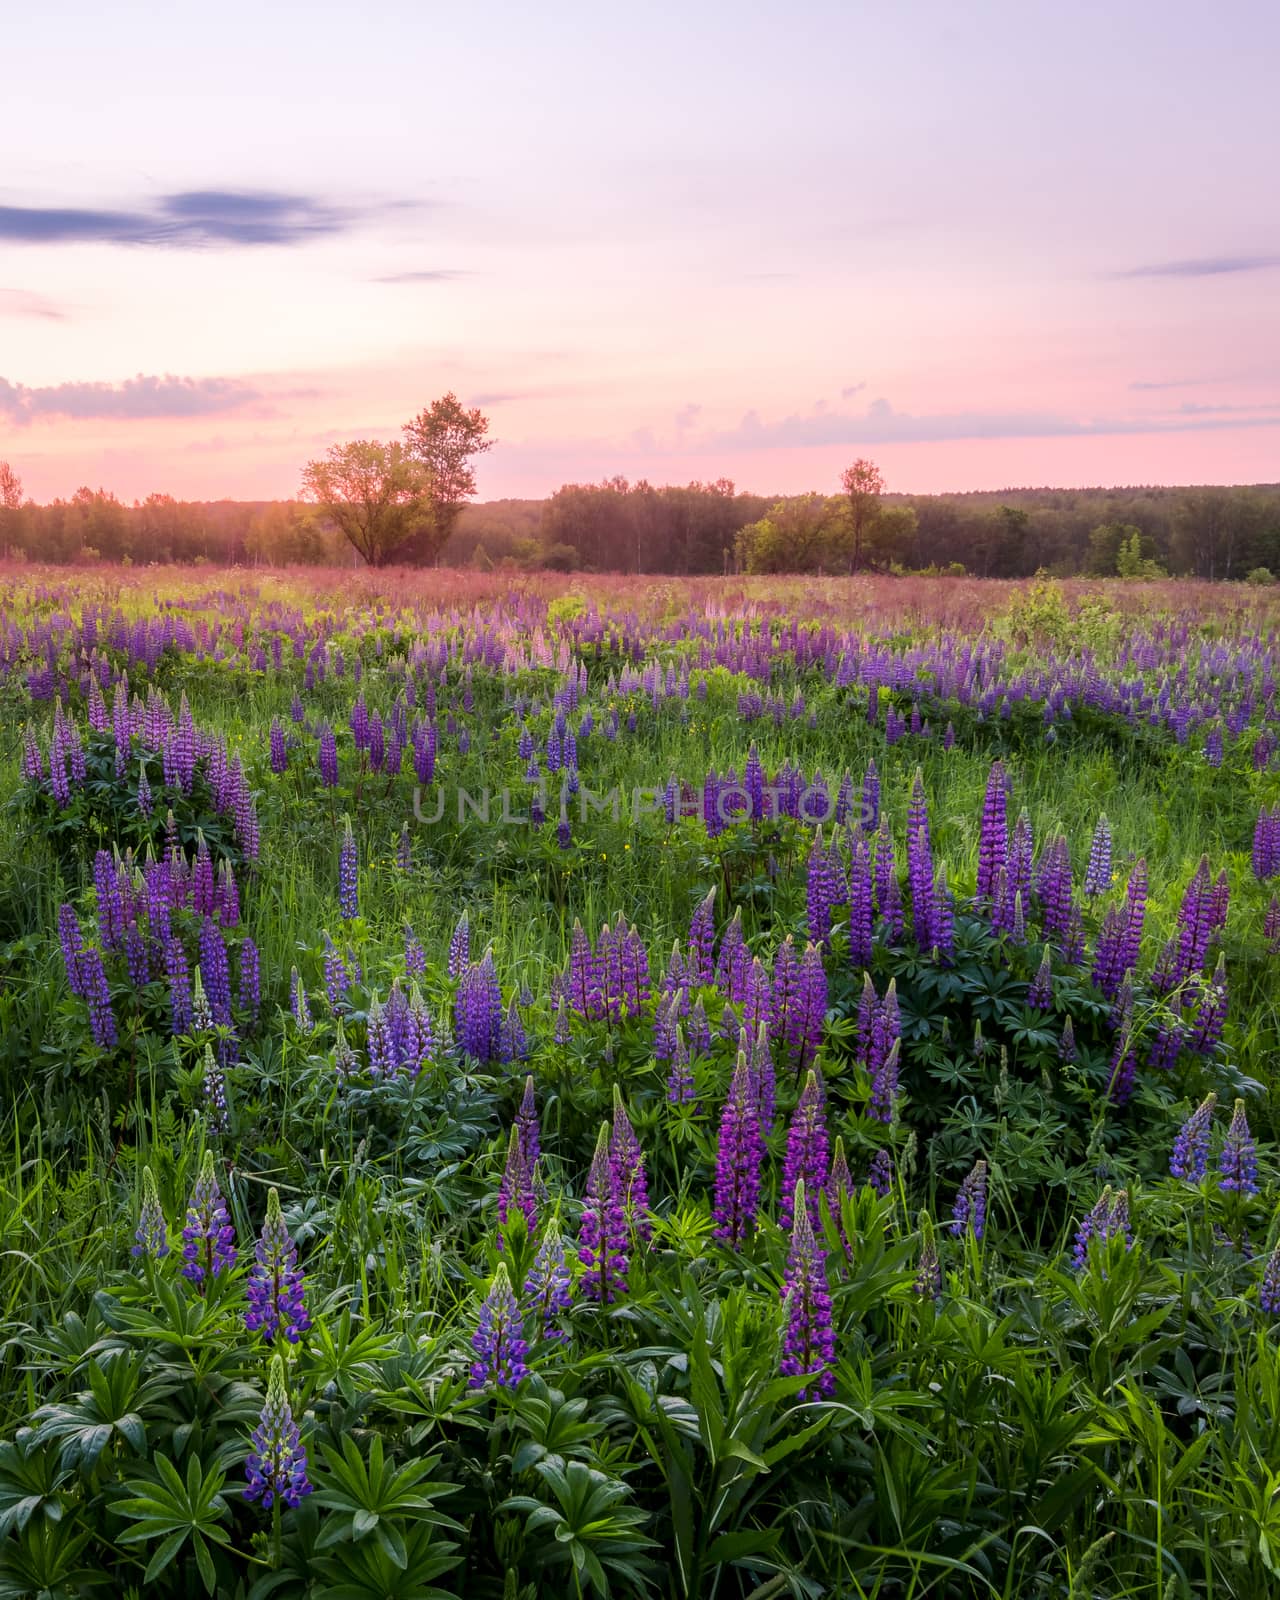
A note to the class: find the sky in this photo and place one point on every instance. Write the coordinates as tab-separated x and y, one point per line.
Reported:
1006	244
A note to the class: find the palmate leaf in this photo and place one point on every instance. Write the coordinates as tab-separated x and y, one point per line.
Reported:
174	1510
113	1407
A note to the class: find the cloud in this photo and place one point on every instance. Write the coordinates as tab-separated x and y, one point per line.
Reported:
881	424
434	275
851	389
23	303
187	220
1203	267
134	399
686	416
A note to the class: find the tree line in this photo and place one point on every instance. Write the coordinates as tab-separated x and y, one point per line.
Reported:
411	501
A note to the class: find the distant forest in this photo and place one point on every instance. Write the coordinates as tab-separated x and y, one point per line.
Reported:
1214	533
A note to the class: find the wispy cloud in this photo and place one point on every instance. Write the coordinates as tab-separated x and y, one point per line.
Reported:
881	424
134	399
850	389
187	220
23	303
432	275
1202	267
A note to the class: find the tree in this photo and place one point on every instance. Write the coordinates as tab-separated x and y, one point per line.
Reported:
864	485
443	439
10	488
796	535
377	494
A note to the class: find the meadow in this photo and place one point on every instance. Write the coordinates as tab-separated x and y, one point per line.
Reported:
518	1086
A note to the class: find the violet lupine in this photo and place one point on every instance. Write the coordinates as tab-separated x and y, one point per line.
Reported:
72	942
478	1010
805	1036
839	1185
214	1089
208	1239
1238	1160
1040	991
627	1157
215	970
415	957
943	917
880	1173
501	1351
1067	1044
97	996
920	865
276	1467
928	1281
823	888
969	1213
279	749
1097	877
785	1002
516	1190
701	941
460	947
152	1236
739	1152
861	904
328	757
548	1286
602	1234
513	1043
275	1287
348	874
1190	1158
1266	844
1053	887
337	976
888	890
680	1084
1269	1288
1211	1015
298	1001
993	838
1108	1220
1271	926
808	1340
1195	925
807	1157
529	1127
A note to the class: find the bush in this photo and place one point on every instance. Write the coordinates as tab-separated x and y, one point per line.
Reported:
1260	576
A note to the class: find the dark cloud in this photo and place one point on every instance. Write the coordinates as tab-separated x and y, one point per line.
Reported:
435	275
135	398
1203	267
187	220
881	424
23	303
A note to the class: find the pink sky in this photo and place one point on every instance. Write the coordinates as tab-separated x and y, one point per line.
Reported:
1026	245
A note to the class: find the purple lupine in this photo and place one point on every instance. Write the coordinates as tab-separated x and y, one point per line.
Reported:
680	1084
152	1236
888	890
97	996
72	942
1134	913
516	1190
701	941
415	957
279	749
739	1152
1067	1044
808	1341
460	947
528	1125
548	1287
208	1239
928	1280
1190	1158
1195	925
811	1008
478	1010
275	1286
337	976
1211	1014
880	1173
348	874
1266	844
215	970
1269	1288
1040	991
214	1090
180	995
920	865
328	757
276	1467
993	839
498	1341
1238	1160
1097	877
861	904
944	919
1271	925
1109	1219
298	1001
627	1158
602	1236
785	1001
823	888
807	1156
513	1044
762	1077
969	1213
839	1185
1053	887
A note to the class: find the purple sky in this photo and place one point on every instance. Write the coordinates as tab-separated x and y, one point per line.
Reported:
1012	244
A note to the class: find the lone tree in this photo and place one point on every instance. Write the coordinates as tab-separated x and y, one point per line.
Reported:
377	494
864	485
444	438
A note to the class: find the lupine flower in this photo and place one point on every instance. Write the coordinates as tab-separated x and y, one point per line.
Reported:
1238	1162
348	874
478	1010
460	947
1040	992
1067	1044
516	1189
602	1236
1269	1288
298	997
275	1284
279	749
277	1461
201	1010
549	1285
328	758
970	1209
993	839
701	940
1109	1219
208	1239
928	1284
806	1160
529	1128
1190	1157
499	1342
739	1153
880	1173
1097	877
214	1086
152	1236
808	1341
627	1159
97	994
680	1085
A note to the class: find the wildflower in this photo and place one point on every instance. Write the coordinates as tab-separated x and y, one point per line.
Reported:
1238	1162
548	1286
460	947
208	1239
1109	1219
250	977
277	1461
1190	1157
928	1283
1040	992
739	1152
516	1188
880	1173
298	997
970	1208
807	1151
528	1126
1097	877
808	1345
97	993
214	1085
348	874
602	1237
993	839
627	1160
275	1285
152	1236
1269	1288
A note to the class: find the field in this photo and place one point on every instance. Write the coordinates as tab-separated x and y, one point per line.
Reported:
529	1087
